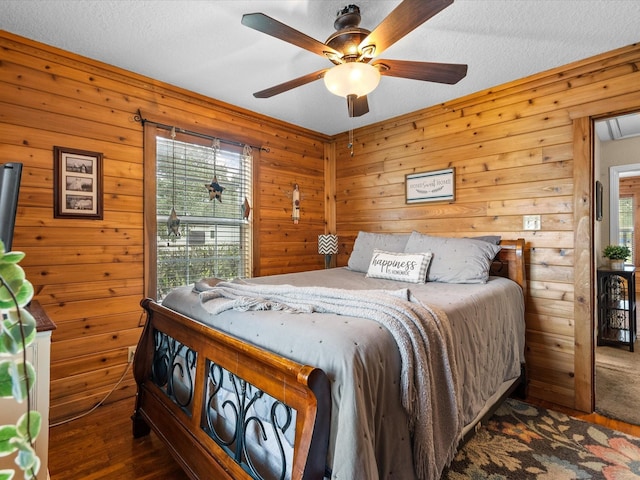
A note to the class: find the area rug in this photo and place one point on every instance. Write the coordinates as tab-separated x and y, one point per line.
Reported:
525	442
617	383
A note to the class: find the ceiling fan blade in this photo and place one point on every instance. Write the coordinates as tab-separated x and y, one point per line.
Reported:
402	20
270	26
449	73
357	106
291	84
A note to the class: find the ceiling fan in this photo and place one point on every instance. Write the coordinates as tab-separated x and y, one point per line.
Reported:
353	51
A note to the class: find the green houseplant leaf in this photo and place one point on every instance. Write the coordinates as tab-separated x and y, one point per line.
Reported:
616	252
23	295
27	459
29	425
13	277
12	257
14	331
7	434
13	379
17	377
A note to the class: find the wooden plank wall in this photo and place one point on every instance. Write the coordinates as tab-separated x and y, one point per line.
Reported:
630	187
88	274
512	148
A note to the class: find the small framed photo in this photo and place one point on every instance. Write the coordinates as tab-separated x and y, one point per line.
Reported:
77	187
434	186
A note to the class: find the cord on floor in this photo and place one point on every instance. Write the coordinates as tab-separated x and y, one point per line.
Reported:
126	370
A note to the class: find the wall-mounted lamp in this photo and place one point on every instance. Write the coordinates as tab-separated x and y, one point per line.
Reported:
352	78
327	246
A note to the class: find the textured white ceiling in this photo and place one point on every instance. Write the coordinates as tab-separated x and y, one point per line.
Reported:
202	46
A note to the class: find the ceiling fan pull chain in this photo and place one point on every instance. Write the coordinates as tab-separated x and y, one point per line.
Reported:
351	101
351	138
350	106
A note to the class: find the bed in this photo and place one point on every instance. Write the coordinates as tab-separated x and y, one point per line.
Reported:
240	387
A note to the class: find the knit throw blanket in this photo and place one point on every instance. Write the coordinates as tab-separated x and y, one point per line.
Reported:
429	383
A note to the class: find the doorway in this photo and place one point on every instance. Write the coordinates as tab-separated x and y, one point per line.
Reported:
617	166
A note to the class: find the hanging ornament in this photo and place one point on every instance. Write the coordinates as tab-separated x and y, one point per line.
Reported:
215	190
295	196
247	158
246	209
173	223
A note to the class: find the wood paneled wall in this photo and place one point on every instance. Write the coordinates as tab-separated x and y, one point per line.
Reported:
520	148
513	149
88	274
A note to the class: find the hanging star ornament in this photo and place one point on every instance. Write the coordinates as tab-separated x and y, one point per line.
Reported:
215	190
173	223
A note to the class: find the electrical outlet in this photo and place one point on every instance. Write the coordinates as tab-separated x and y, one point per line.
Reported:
132	353
531	222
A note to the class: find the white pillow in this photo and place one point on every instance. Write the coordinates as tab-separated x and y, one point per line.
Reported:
455	260
366	242
405	267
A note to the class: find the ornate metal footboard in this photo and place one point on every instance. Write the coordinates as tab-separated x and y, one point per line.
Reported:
227	409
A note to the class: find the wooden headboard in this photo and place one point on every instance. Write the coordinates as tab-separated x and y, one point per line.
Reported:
510	262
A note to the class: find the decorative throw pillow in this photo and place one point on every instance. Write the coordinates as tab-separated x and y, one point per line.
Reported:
455	260
366	242
405	267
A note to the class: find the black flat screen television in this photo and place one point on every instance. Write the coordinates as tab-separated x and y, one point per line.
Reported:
10	174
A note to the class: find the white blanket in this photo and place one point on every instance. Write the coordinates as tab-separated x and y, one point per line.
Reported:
429	380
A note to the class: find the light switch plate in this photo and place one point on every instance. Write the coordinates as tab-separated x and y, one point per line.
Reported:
531	222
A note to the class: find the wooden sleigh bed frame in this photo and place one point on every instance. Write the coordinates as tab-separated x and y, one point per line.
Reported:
178	415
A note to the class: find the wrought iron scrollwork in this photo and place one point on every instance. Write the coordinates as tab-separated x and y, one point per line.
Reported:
615	288
237	412
173	369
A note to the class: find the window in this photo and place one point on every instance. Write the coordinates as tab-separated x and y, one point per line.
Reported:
626	223
213	238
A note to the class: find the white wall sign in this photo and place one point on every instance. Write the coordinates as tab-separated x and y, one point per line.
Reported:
434	186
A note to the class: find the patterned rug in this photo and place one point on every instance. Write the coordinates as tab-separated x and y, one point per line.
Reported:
526	442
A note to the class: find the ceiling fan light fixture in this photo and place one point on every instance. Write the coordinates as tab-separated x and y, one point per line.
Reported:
352	78
368	52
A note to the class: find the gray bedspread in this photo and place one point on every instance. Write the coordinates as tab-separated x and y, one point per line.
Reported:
370	433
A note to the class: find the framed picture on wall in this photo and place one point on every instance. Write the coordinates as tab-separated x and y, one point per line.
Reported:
599	191
433	186
77	187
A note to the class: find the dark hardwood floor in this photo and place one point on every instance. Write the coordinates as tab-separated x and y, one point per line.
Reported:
100	446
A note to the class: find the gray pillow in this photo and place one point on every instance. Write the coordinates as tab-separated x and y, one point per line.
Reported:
495	239
455	260
366	242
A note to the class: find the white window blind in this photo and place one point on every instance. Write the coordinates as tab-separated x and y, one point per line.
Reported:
215	238
626	217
